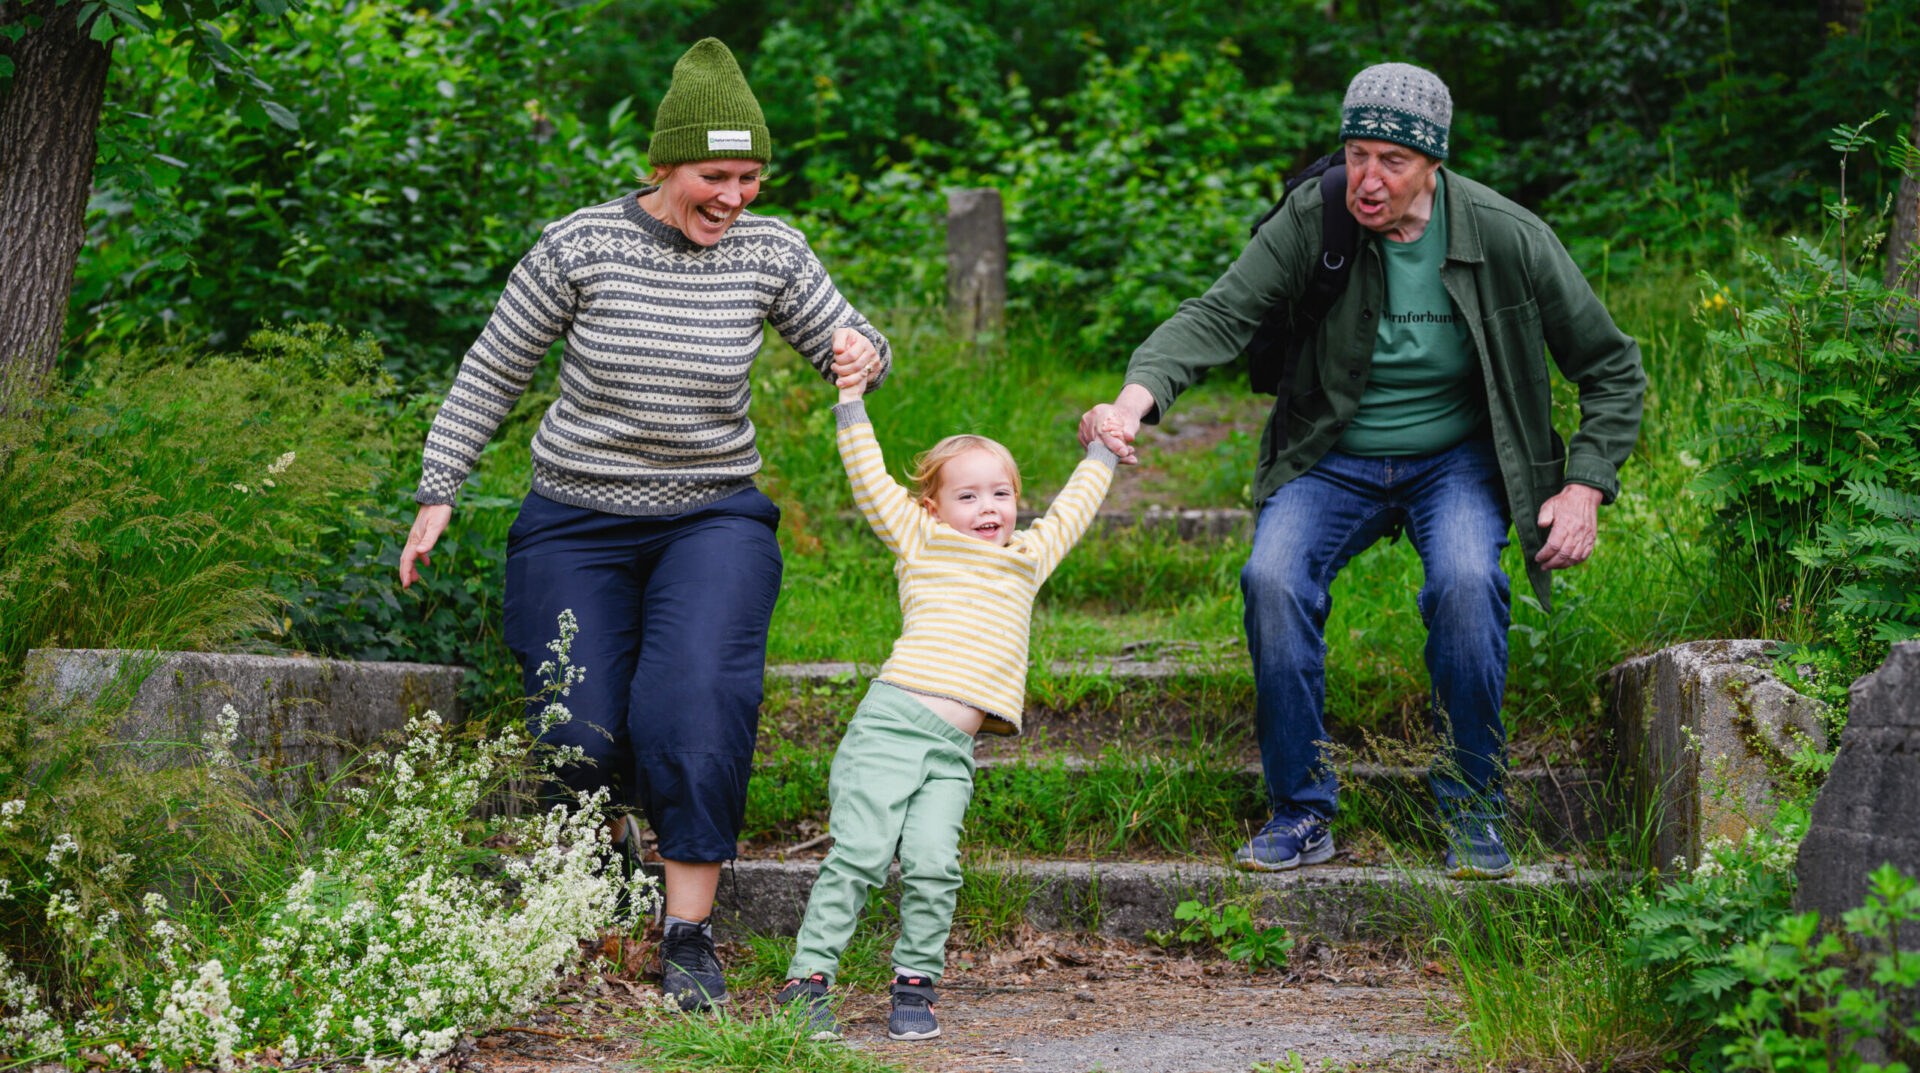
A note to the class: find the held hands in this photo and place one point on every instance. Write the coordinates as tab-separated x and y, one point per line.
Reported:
855	361
1574	516
427	527
1117	423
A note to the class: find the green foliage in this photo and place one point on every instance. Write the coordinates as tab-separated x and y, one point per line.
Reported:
1232	929
1812	996
1816	435
1684	935
144	508
432	148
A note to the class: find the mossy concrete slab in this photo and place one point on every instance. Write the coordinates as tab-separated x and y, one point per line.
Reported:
1706	733
1127	898
301	719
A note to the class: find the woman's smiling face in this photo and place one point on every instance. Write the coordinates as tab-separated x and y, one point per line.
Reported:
703	198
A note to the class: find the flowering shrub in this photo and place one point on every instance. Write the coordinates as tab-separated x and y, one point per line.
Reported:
400	932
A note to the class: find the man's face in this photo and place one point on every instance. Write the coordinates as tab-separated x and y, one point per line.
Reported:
1384	180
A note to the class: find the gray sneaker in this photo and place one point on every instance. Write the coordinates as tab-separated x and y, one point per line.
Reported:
690	970
912	1016
815	1005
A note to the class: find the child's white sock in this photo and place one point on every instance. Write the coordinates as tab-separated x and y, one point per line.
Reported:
706	926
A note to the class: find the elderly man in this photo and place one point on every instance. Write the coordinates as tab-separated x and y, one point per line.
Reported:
1421	402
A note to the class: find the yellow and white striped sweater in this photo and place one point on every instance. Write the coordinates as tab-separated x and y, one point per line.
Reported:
967	605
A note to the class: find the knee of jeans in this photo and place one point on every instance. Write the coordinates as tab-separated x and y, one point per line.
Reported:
1465	586
933	868
1266	583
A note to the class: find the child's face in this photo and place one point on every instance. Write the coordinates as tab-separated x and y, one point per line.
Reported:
975	497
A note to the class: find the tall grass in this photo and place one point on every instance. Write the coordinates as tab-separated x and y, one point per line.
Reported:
151	507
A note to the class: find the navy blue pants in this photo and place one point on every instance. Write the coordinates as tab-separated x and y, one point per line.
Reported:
673	616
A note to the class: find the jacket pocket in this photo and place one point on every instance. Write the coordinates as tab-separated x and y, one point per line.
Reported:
1518	344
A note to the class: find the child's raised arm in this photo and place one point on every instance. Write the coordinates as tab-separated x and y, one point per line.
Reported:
900	523
1073	509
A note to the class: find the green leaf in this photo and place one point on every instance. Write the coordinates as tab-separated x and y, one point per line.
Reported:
102	28
280	115
272	9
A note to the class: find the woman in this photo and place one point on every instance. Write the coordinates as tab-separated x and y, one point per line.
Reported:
643	518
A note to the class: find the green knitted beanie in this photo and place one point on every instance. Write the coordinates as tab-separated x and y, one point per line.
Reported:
708	112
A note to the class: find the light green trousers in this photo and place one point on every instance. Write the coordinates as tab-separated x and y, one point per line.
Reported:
899	786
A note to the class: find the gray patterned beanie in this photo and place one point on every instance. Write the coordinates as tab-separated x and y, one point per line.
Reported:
1400	103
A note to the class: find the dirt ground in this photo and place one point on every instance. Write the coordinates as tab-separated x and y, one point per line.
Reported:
1061	1004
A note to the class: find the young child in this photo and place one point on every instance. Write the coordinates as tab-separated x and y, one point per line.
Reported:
903	774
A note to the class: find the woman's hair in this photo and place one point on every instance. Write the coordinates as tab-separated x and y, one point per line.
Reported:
928	464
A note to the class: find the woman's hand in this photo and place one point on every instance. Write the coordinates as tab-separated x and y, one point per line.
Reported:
427	527
855	361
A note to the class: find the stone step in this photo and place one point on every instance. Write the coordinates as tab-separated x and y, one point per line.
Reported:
1563	808
1128	898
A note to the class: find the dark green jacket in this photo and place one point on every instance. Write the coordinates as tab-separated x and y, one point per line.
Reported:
1521	295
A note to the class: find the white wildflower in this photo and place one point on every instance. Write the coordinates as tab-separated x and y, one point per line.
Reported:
219	740
27	1030
10	813
62	846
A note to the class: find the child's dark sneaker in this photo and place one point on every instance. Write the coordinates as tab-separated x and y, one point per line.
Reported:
1288	841
690	971
912	1016
1474	849
811	994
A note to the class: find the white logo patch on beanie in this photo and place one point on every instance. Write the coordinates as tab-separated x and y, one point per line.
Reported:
729	140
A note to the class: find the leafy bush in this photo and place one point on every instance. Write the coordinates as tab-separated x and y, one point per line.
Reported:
1814	996
1684	935
1816	437
432	146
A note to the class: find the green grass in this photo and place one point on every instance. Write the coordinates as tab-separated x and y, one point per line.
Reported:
773	1042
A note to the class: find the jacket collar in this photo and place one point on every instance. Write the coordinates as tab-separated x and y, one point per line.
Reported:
1463	227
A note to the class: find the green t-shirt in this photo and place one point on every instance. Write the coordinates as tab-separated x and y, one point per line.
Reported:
1424	394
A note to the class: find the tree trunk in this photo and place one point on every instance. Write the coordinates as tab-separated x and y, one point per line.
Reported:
47	125
1903	245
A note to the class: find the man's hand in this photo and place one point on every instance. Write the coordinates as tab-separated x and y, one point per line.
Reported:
1117	423
428	524
1574	516
854	360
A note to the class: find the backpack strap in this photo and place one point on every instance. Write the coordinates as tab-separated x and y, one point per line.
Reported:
1339	240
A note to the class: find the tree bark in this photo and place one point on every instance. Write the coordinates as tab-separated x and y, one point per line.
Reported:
47	126
1903	244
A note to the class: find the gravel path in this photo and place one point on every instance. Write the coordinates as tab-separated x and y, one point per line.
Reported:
1058	1004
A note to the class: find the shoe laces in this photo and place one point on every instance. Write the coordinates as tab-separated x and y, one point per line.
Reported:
1282	824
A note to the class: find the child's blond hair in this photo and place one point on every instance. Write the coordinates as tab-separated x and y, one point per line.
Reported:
928	464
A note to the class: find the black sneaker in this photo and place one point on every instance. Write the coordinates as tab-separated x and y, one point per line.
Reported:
690	971
912	1016
811	993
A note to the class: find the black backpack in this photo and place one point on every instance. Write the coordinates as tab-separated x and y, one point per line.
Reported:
1273	354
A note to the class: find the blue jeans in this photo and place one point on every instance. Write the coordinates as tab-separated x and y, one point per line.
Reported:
673	615
1453	506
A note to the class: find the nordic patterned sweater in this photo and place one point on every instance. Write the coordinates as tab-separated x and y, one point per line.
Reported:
966	605
660	334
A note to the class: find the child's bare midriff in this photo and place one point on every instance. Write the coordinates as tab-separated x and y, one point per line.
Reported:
964	716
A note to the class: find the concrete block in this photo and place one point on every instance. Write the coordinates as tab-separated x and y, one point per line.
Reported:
300	718
1705	733
1868	812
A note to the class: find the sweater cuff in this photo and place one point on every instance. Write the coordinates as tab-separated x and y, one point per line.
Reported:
849	414
437	486
1098	452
